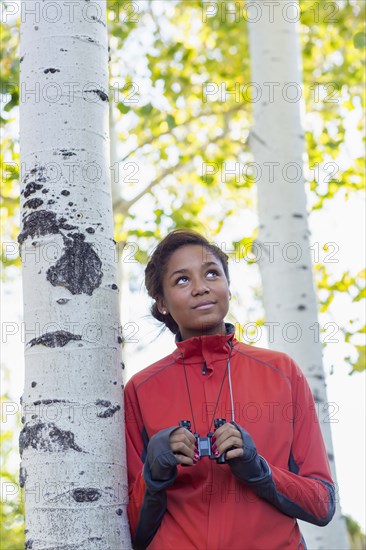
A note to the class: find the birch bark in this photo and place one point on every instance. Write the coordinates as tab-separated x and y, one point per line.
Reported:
73	465
278	146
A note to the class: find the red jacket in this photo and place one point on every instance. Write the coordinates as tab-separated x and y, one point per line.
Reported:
207	507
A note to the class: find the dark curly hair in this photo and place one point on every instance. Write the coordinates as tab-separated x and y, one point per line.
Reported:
157	265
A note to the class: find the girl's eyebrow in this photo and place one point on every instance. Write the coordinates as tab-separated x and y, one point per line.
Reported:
184	270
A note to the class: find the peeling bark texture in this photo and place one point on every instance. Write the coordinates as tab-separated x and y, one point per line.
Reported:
57	339
47	437
79	269
73	377
278	138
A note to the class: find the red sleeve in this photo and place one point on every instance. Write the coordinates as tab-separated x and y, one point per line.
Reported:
135	455
309	482
305	490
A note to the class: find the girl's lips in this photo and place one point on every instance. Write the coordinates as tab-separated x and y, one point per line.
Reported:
206	305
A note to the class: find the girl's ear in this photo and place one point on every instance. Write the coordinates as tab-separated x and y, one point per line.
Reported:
161	306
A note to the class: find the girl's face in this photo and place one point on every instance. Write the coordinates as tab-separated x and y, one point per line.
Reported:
196	291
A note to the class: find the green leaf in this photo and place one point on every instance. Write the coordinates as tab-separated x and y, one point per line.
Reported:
171	121
360	364
359	40
146	109
123	108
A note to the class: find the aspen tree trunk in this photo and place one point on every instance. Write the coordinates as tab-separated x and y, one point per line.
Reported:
73	465
277	143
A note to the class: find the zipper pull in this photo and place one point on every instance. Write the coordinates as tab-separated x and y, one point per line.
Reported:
204	370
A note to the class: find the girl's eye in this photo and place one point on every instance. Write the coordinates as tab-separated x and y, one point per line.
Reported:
212	271
181	279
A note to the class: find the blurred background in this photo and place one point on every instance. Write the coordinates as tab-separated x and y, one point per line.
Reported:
180	158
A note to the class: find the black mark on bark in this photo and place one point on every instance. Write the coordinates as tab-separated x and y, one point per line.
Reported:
65	192
38	173
28	544
65	153
22	476
119	512
102	95
57	339
79	268
301	307
86	38
89	494
62	301
297	216
32	187
47	438
21	59
49	401
110	411
33	203
103	402
90	230
34	384
42	223
51	70
98	20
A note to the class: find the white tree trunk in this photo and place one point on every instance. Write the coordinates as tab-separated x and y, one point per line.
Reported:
277	143
72	443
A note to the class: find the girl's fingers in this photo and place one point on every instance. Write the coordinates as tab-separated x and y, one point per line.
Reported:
182	443
182	459
234	453
228	437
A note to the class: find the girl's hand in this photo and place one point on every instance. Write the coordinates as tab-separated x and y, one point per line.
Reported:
227	439
183	444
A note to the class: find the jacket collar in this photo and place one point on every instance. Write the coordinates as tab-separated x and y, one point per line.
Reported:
205	346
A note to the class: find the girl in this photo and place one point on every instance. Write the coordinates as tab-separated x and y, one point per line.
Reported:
251	459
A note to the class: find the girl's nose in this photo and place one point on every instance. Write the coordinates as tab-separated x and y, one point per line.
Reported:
200	287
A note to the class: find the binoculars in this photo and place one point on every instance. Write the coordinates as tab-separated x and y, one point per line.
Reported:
204	444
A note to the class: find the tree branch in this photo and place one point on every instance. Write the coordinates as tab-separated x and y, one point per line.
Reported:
151	139
122	206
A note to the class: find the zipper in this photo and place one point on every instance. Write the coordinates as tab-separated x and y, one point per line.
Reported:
204	370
